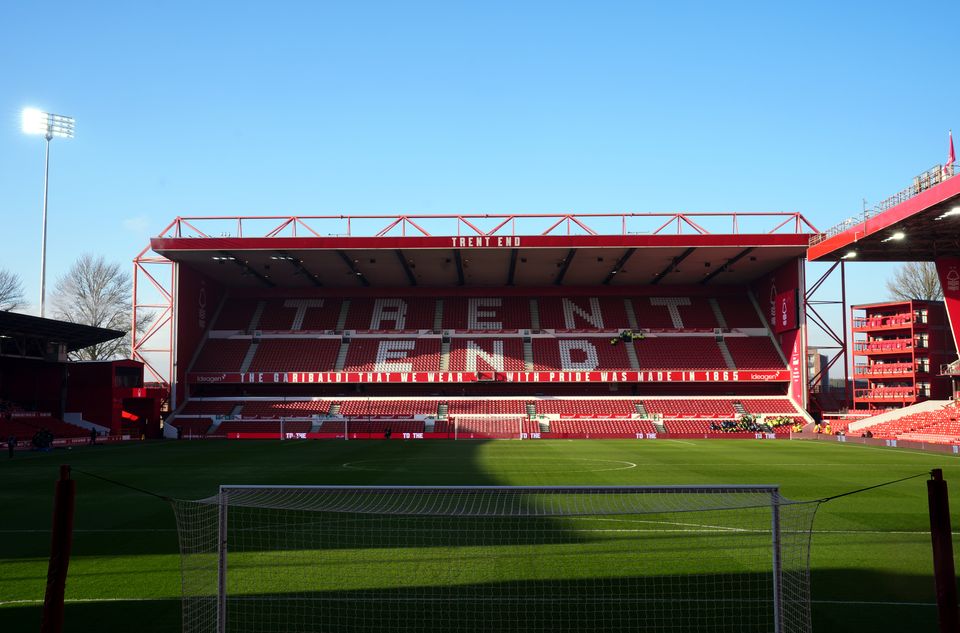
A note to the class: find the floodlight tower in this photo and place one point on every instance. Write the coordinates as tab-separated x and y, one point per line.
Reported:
49	125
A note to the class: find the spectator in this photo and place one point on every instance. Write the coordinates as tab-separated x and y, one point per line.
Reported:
93	436
11	445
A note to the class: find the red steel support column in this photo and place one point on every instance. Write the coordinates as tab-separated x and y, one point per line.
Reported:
847	386
943	570
60	545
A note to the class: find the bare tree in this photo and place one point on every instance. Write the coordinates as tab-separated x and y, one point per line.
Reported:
915	280
98	293
11	291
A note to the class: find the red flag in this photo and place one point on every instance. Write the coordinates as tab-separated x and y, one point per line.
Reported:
951	156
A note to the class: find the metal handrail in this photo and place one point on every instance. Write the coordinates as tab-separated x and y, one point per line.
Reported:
884	369
887	321
930	178
490	224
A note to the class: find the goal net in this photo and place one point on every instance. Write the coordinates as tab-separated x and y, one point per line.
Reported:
428	559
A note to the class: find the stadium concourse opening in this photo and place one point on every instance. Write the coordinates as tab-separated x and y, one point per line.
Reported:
569	326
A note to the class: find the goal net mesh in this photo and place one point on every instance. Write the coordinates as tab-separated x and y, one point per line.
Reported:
417	559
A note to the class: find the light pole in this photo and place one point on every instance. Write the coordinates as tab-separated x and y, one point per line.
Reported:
49	125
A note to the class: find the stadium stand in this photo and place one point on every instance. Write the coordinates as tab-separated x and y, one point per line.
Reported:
208	407
579	354
391	314
679	353
222	355
939	426
297	354
378	408
601	426
575	313
754	352
262	426
486	313
494	425
739	312
691	408
675	313
236	314
586	407
374	426
486	354
398	355
304	408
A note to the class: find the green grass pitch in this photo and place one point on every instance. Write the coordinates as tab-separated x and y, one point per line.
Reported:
871	561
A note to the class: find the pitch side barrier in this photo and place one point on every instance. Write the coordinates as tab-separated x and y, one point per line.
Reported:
503	436
915	445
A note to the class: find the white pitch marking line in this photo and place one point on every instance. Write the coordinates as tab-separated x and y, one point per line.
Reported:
525	460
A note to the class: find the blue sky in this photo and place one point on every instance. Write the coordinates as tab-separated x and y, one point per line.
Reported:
256	108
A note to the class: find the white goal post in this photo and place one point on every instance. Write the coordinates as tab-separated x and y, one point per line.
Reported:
495	558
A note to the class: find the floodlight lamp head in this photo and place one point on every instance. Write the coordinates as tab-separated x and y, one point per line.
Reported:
49	125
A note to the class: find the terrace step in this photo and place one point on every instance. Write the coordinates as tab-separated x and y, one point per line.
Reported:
342	355
251	352
255	319
342	317
534	314
334	409
715	306
739	408
527	354
217	421
725	352
659	427
641	409
442	409
544	426
445	355
631	315
438	316
631	356
531	409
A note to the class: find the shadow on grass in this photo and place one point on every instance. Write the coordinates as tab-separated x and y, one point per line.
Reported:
709	603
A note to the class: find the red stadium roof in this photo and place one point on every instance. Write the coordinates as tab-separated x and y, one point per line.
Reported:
486	250
920	223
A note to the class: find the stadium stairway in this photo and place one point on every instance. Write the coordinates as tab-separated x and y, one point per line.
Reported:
631	314
725	352
342	354
257	313
527	354
718	313
251	352
445	354
342	317
534	315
